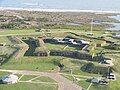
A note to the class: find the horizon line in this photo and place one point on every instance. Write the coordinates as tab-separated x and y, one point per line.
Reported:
59	10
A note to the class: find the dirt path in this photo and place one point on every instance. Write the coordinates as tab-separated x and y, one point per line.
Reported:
63	83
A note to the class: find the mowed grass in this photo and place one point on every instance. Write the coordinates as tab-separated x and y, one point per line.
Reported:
61	47
44	79
31	63
22	31
3	73
5	40
38	79
54	46
7	50
27	77
113	85
28	86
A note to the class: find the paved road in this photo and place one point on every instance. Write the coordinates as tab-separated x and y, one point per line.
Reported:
63	83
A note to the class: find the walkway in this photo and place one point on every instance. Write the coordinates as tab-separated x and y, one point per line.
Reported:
63	83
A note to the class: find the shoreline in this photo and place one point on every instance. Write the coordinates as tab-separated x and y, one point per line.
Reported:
58	10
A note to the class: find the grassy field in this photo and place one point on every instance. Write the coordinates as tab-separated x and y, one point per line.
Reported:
28	86
113	85
44	79
39	79
31	63
7	50
2	74
61	47
5	40
46	63
13	32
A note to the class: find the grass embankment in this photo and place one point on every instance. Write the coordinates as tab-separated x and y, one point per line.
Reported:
31	63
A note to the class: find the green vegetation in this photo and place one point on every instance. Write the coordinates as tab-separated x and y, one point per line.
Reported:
44	79
31	63
17	32
39	79
57	28
5	40
91	68
3	73
28	86
27	77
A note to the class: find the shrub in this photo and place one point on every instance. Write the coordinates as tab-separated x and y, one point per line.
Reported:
91	68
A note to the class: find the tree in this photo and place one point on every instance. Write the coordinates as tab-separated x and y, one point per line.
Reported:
89	67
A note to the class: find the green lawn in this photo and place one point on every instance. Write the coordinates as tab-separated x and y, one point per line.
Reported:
22	31
3	73
54	46
39	79
113	85
31	63
5	40
44	79
27	77
28	86
7	50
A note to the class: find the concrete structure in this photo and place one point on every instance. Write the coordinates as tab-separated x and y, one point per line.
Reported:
108	61
116	36
71	41
111	76
95	80
100	44
9	79
2	44
100	81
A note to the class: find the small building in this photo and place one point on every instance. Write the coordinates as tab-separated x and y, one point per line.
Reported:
2	44
99	81
9	79
116	36
111	76
84	42
95	80
71	41
104	81
100	44
108	61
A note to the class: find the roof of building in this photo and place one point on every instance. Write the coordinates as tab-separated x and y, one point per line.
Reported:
95	80
9	78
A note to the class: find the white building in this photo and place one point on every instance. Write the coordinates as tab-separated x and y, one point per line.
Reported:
10	79
116	36
95	80
111	76
84	42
